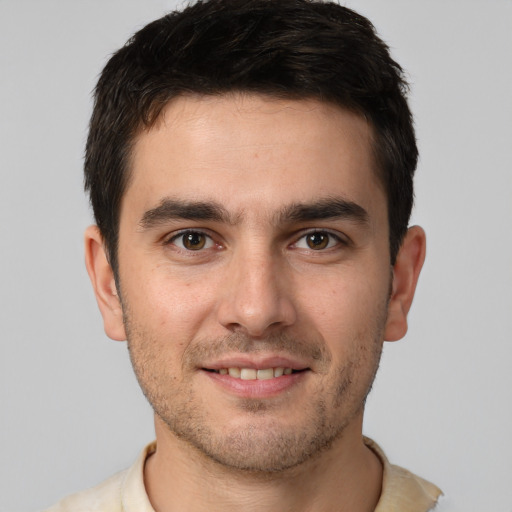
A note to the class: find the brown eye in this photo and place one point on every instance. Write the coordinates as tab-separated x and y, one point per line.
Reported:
317	241
194	241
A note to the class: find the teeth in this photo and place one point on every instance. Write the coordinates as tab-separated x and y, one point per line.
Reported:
248	374
265	374
234	372
252	374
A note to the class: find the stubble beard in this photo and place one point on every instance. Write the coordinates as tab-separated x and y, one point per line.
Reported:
262	445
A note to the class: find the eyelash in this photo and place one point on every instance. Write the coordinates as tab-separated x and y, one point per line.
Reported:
332	237
210	242
182	234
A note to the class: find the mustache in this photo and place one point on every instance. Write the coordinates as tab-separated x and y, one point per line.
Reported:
283	344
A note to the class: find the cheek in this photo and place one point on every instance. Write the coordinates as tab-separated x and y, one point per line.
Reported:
170	306
348	307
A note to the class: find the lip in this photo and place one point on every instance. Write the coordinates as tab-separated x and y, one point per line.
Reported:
256	388
259	389
256	362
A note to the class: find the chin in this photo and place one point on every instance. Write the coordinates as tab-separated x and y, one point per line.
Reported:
261	446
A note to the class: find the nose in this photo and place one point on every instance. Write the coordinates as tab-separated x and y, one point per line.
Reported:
258	295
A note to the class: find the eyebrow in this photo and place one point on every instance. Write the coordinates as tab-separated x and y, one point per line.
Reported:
323	209
173	209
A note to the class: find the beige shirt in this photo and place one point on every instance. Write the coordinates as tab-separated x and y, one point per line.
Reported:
124	492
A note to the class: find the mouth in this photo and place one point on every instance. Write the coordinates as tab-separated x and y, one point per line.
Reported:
255	374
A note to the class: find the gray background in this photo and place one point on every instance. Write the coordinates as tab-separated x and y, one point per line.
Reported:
71	411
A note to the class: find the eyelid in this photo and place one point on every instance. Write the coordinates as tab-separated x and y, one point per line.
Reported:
170	239
340	238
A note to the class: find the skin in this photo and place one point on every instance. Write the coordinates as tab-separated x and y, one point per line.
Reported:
256	294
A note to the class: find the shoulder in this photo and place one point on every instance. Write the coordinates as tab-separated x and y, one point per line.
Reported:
105	497
414	492
123	492
403	490
444	504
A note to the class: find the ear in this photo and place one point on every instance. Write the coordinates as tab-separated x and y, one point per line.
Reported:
102	279
406	271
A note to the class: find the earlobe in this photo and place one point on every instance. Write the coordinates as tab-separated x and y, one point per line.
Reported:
103	282
406	271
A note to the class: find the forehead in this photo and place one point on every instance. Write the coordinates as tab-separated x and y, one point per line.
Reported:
252	153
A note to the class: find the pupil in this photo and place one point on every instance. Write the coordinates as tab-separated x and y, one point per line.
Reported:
194	241
317	240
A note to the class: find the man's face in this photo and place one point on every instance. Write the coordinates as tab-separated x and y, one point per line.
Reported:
253	242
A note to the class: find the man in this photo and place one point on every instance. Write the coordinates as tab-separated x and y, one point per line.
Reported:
250	168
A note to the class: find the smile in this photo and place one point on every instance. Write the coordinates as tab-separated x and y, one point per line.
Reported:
253	374
257	379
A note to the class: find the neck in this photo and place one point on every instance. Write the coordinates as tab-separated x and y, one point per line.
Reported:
346	477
